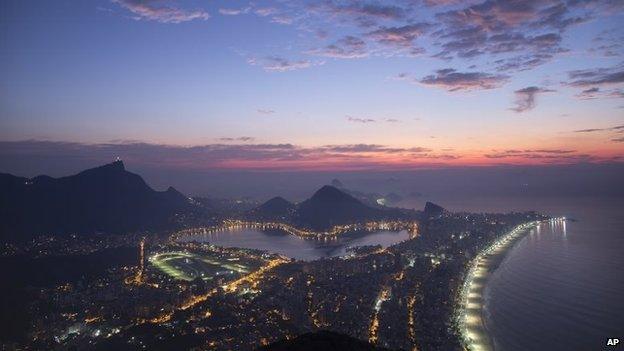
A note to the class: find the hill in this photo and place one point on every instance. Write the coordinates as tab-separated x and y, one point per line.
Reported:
433	210
104	199
276	209
330	206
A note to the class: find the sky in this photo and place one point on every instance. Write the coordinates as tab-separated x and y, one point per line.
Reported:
311	85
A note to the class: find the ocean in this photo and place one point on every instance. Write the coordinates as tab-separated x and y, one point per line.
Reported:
561	288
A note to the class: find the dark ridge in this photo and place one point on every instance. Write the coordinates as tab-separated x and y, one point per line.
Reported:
330	206
322	340
433	210
105	199
332	194
276	208
337	183
393	198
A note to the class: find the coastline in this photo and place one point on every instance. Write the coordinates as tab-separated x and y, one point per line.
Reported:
371	226
469	317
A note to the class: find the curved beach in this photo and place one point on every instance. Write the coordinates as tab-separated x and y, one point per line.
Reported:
469	318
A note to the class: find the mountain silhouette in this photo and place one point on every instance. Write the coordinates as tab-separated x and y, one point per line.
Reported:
275	209
105	199
433	210
330	206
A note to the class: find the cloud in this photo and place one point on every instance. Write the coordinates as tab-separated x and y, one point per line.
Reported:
521	51
280	64
360	148
618	140
265	11
591	130
154	10
347	47
364	14
371	120
243	139
451	80
501	15
597	93
258	156
282	19
608	43
233	12
597	76
401	37
524	33
222	155
525	98
541	154
516	35
360	120
265	111
375	148
441	2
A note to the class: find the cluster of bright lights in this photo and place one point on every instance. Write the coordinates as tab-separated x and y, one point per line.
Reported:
384	295
370	226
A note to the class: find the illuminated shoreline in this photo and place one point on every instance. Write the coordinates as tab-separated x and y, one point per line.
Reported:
228	225
469	316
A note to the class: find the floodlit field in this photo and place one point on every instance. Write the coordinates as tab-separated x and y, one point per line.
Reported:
189	266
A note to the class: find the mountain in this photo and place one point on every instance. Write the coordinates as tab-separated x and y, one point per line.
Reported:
330	206
276	208
433	210
337	183
104	199
321	340
392	198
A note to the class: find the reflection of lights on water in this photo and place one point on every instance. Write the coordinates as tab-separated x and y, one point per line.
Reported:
473	305
473	319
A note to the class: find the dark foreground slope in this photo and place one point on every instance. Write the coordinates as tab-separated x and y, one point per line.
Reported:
104	199
322	340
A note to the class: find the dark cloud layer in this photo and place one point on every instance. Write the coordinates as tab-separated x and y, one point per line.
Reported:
542	154
363	13
401	37
452	80
527	32
591	130
222	155
598	93
597	76
525	98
